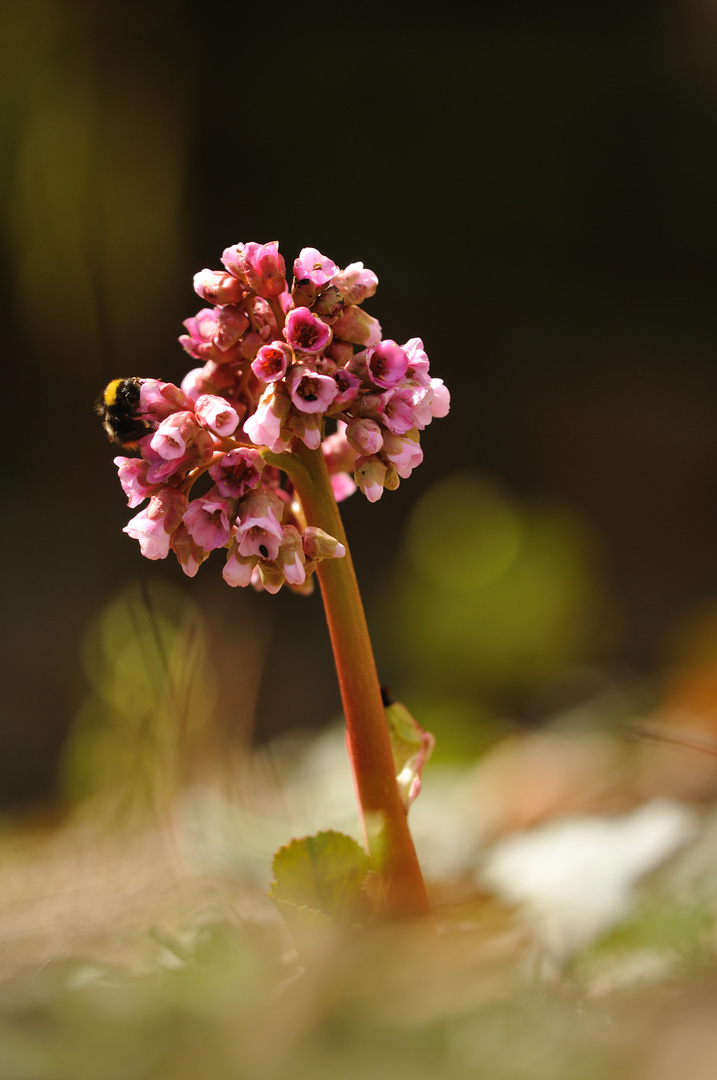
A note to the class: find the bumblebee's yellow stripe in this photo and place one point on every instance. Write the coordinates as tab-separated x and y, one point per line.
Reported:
110	395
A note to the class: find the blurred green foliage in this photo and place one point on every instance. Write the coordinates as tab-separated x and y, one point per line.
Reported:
146	658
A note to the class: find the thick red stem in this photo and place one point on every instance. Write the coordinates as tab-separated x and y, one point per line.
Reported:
388	838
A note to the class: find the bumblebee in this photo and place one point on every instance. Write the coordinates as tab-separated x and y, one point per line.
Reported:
118	406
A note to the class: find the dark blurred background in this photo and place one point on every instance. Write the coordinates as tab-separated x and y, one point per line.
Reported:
534	185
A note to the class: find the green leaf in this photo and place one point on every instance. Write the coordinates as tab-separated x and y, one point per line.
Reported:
324	873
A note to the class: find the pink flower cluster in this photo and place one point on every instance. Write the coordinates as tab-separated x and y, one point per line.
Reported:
276	364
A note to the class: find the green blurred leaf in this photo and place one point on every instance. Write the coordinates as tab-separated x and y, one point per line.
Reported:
325	873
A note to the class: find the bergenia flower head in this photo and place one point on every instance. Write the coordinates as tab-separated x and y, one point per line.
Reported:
280	364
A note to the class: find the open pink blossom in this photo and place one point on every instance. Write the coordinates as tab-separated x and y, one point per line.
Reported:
271	361
133	478
310	392
154	525
386	363
174	434
306	332
259	530
260	266
407	407
216	414
312	266
209	520
238	471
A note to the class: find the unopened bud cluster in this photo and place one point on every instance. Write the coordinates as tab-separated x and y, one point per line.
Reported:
276	364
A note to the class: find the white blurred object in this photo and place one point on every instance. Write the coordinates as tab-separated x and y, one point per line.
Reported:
576	878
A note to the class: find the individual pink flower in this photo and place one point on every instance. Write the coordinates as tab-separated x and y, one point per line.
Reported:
154	525
209	520
417	370
238	471
386	363
312	266
216	414
320	545
237	570
133	478
190	555
158	400
271	361
209	334
407	407
403	452
290	559
232	323
259	530
218	287
174	434
264	427
365	436
356	326
355	283
440	399
308	427
370	474
310	392
306	332
348	384
260	266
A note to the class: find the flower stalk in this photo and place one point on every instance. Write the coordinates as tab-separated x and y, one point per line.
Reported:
385	823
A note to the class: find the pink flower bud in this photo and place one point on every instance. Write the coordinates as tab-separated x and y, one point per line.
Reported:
356	326
264	427
310	392
319	545
189	554
290	559
355	283
305	332
365	436
272	361
218	287
370	474
238	568
403	452
216	414
441	399
158	399
312	266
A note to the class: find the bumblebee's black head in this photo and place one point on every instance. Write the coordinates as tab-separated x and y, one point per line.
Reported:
118	407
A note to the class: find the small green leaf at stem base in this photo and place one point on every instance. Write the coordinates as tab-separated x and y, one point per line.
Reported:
324	873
